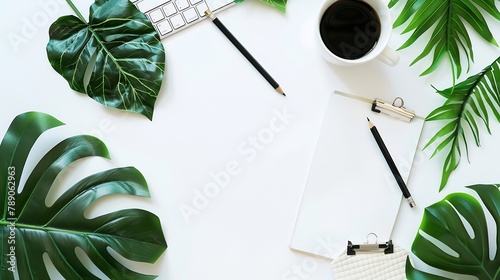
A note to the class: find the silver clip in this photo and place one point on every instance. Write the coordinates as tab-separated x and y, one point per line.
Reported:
394	109
367	248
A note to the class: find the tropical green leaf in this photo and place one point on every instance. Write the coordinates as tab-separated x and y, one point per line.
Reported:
280	4
445	243
476	97
30	228
116	58
450	38
415	274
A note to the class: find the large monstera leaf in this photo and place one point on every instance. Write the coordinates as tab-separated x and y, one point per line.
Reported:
29	228
116	58
444	241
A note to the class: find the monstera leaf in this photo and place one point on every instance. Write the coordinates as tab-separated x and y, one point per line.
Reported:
30	228
446	19
116	58
445	243
468	100
280	4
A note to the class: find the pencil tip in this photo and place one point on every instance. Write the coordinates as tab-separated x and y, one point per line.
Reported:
370	124
280	90
284	94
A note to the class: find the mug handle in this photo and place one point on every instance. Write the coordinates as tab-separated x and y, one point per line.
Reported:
389	56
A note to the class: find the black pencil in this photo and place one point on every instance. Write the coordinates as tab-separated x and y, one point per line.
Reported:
392	165
245	53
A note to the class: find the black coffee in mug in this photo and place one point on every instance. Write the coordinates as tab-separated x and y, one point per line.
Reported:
350	28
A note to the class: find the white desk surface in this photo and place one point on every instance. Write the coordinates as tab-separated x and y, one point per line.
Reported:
212	104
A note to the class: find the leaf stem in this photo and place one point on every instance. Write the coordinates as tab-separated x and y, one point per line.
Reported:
77	12
453	71
449	37
41	228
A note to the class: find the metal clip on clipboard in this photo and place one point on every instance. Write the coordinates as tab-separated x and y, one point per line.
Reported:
394	109
386	261
386	248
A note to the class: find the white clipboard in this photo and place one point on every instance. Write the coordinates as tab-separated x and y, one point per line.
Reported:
350	189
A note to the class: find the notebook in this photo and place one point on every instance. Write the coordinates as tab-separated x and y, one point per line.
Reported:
350	190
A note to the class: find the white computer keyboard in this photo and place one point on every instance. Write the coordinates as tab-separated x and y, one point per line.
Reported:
171	16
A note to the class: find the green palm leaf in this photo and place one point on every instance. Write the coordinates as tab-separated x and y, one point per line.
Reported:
280	4
117	58
450	37
444	242
29	228
470	101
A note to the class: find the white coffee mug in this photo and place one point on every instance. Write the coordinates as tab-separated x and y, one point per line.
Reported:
380	50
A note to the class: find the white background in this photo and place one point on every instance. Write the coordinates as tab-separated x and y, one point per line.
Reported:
212	103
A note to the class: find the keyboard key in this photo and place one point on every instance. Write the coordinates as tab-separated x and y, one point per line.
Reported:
201	9
170	16
182	4
148	5
156	15
169	9
190	15
164	27
177	21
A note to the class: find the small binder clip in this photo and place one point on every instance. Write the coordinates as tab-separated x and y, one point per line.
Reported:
395	109
386	248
